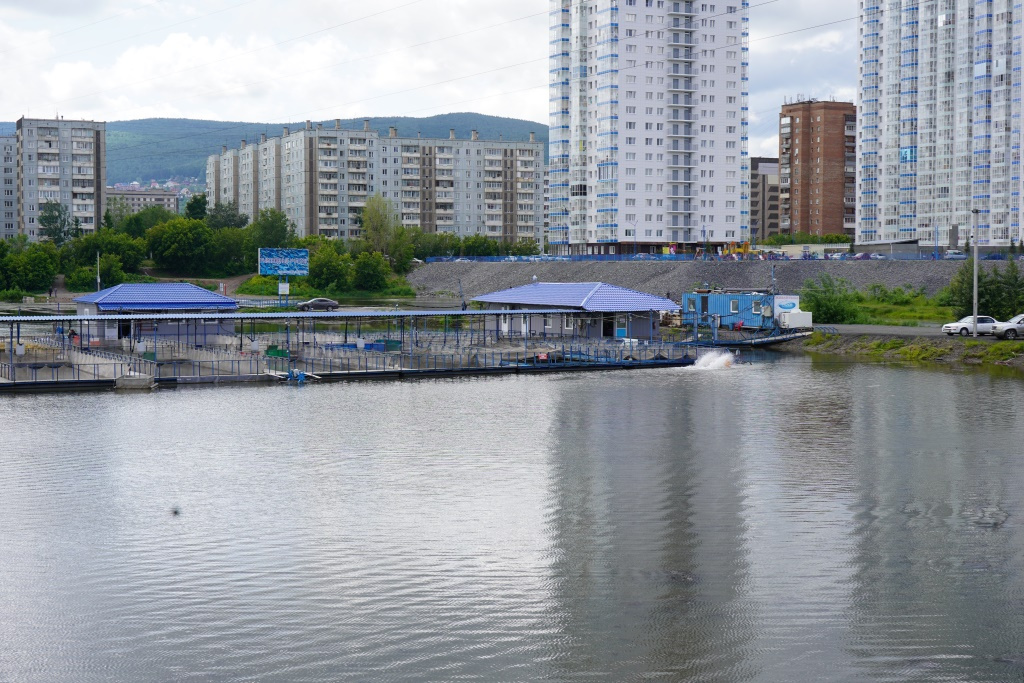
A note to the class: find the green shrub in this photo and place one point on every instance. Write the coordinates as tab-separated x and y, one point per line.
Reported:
13	296
831	300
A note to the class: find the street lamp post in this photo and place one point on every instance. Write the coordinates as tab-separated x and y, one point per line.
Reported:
974	247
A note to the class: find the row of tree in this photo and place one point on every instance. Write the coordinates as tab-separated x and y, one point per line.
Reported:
1000	291
26	267
220	241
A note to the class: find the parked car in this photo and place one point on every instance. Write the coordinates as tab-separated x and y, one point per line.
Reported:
318	304
879	257
965	326
462	259
1011	329
955	255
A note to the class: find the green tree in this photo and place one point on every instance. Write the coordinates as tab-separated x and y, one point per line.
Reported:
33	268
804	238
478	245
429	244
331	271
56	223
5	249
402	248
82	251
196	207
227	252
138	224
379	222
961	291
118	209
270	230
226	216
371	272
1011	291
83	278
831	300
524	248
181	245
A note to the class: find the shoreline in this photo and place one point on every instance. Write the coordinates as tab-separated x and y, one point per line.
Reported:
910	348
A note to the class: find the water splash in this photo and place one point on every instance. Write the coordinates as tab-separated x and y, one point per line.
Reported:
715	360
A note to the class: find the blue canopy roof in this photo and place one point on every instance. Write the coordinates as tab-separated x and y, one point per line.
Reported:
160	296
596	297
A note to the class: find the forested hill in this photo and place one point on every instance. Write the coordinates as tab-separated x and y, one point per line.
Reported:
156	149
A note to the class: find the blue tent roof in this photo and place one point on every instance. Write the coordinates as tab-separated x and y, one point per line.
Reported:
595	297
161	296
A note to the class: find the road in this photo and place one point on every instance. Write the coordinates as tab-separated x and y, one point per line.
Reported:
893	330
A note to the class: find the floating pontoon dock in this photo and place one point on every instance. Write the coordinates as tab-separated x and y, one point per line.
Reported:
70	352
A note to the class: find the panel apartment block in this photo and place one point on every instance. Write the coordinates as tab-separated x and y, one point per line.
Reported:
8	173
137	200
764	198
493	188
63	161
940	121
321	178
817	159
648	125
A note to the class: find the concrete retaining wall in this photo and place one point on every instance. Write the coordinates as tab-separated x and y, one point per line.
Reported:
442	279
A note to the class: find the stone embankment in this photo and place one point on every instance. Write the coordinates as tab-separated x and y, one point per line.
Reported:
941	350
442	279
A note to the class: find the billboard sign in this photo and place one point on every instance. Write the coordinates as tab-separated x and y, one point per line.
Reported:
284	261
786	303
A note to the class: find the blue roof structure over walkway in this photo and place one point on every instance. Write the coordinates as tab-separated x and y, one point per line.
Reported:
161	296
596	297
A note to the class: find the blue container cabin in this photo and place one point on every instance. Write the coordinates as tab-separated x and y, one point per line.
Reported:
735	309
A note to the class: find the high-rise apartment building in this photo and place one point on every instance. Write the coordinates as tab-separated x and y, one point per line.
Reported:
648	125
9	178
764	198
321	178
939	121
61	161
818	167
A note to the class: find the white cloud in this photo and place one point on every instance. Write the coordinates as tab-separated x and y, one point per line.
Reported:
251	60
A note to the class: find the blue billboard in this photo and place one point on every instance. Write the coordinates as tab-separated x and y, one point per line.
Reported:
284	261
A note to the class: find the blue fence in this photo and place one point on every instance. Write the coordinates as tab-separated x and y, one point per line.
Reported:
707	257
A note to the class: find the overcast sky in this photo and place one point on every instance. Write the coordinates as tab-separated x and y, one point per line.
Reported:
272	61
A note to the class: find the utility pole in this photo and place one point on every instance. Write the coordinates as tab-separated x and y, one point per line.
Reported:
97	271
974	245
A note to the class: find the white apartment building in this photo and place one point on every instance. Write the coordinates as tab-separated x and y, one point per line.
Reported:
490	187
63	161
648	126
939	125
321	178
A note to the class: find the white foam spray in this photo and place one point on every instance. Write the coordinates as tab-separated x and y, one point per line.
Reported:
715	360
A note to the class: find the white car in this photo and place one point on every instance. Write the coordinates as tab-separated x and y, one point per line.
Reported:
965	326
1011	329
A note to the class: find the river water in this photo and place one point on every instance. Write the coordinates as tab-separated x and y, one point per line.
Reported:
789	520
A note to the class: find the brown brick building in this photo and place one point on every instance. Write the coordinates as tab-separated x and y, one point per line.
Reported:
817	167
